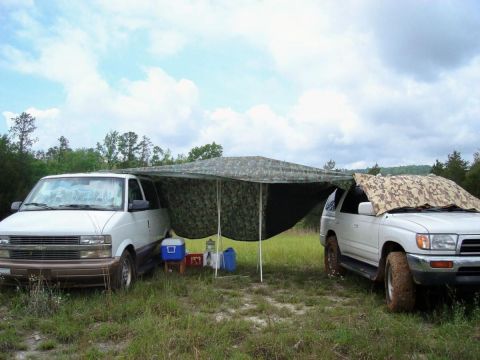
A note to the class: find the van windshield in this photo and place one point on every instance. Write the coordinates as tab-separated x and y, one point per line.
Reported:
76	193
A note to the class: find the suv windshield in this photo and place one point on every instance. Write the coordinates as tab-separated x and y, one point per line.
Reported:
76	193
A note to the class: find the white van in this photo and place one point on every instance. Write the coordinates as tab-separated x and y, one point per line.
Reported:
84	229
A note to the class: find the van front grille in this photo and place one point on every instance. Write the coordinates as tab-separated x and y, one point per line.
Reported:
44	254
45	240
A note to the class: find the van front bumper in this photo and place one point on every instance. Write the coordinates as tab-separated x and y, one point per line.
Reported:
88	272
465	270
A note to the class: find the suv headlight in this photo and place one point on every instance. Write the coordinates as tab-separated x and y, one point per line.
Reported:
437	241
4	240
95	239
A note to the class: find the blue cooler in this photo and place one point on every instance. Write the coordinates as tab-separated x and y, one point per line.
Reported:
229	260
173	249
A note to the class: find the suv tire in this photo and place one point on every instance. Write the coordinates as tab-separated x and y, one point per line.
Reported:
332	257
399	286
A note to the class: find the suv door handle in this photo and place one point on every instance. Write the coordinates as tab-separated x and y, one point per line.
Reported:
355	225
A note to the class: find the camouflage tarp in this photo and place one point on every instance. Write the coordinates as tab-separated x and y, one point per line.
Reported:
411	191
248	168
289	192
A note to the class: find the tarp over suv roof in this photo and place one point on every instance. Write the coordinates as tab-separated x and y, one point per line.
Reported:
195	192
414	191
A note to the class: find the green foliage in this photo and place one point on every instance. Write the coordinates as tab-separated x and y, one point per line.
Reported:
458	170
22	130
207	151
375	170
329	165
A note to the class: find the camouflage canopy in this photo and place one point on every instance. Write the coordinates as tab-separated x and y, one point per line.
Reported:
393	192
289	192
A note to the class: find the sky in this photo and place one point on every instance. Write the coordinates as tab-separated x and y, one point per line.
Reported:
360	82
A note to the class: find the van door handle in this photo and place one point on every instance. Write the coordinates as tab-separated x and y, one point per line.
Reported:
355	226
148	223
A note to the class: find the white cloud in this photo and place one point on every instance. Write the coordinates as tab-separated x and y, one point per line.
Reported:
353	101
166	42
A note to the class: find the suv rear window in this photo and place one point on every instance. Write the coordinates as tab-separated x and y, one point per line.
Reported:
332	201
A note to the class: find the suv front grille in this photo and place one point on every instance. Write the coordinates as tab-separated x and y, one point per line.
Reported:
470	247
44	240
44	254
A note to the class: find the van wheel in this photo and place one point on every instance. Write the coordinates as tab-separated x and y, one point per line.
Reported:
399	286
126	273
332	258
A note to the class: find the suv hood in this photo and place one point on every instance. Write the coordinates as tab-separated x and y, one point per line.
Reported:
444	222
56	222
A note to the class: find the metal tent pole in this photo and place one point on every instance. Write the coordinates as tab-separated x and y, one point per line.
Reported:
219	227
260	220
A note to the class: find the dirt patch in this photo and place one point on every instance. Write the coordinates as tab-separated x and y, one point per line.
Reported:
31	342
251	311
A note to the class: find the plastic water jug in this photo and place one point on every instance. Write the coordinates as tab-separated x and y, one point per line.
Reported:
229	260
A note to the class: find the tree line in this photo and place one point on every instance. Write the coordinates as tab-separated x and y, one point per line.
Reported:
22	167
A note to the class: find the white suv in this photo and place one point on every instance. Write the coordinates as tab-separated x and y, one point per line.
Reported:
403	247
95	229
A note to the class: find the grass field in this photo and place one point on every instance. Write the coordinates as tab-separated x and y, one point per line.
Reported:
298	312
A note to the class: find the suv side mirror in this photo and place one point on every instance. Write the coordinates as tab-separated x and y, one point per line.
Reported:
139	205
15	206
366	208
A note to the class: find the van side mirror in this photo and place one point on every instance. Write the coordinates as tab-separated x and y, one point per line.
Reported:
139	205
366	208
15	206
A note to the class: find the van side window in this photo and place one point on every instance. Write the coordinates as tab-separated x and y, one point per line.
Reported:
354	197
134	191
161	196
150	193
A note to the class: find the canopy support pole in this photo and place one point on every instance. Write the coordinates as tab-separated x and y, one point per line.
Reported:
260	225
219	227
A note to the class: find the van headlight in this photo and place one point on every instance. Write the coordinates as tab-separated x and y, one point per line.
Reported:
4	239
95	239
437	241
95	254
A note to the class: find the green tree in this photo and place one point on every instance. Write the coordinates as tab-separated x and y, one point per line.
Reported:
128	148
145	151
329	165
207	151
438	168
455	168
162	157
109	149
22	130
375	170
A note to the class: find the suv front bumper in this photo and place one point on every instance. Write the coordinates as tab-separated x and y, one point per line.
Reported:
465	270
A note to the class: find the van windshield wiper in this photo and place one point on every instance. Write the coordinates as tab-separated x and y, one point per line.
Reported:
40	205
82	207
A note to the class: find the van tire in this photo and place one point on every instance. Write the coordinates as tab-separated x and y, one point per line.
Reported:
332	257
126	273
399	285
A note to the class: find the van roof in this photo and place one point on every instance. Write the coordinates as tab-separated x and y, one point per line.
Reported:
92	174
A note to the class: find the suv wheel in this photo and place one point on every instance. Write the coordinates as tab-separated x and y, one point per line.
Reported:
332	257
399	286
